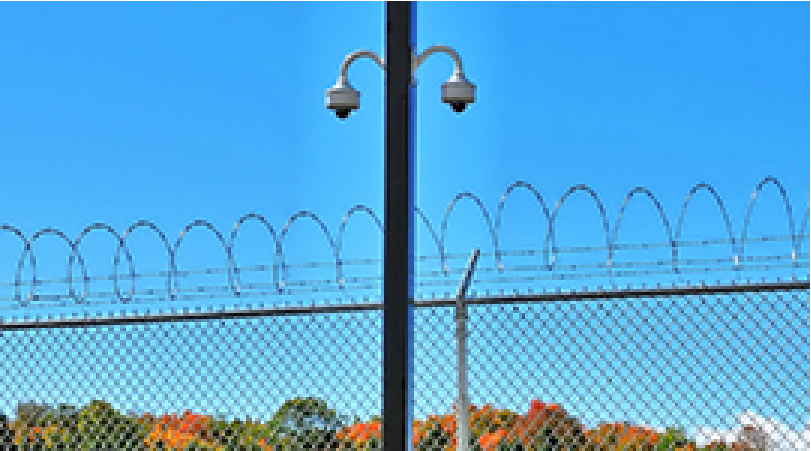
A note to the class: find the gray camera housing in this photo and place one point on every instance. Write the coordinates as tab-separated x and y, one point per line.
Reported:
459	92
343	98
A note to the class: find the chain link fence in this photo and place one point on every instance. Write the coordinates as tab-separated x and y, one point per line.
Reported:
706	365
612	372
282	379
568	348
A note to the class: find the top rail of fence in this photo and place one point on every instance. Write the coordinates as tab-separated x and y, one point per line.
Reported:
552	296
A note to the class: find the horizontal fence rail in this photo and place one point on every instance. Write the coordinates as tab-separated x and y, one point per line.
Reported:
557	295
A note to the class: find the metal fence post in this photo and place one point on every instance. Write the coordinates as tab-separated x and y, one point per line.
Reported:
463	411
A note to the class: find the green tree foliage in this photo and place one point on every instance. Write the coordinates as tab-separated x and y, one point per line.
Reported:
97	426
307	423
102	427
242	434
674	438
436	439
6	435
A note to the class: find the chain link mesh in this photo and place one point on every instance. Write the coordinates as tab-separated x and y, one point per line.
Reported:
274	381
580	374
644	373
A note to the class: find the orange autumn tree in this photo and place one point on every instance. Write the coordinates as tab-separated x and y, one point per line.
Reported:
436	433
547	423
493	427
544	425
422	428
368	436
179	432
489	427
363	435
621	437
439	432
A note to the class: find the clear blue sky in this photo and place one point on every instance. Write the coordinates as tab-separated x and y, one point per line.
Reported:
172	112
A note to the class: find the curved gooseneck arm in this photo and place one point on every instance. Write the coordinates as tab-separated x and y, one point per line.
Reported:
416	60
358	54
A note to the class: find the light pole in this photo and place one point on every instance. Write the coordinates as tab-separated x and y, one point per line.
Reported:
398	258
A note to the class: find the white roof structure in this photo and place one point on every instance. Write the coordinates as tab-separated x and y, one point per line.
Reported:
777	436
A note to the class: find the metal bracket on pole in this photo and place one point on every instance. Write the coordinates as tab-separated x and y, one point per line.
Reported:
463	411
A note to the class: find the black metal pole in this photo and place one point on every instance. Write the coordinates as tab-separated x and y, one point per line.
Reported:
398	256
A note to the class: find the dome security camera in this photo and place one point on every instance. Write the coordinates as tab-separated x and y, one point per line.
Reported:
459	92
343	98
